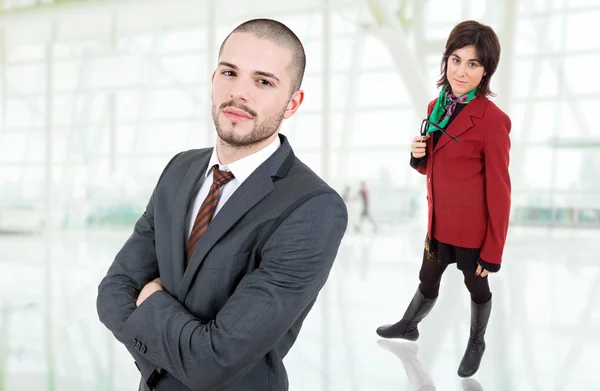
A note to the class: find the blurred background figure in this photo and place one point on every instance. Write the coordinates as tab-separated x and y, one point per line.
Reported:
353	206
96	96
365	213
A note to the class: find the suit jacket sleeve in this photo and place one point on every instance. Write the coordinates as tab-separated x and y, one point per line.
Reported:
420	164
295	264
134	266
496	150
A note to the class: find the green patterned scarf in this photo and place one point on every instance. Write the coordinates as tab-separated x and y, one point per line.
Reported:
445	106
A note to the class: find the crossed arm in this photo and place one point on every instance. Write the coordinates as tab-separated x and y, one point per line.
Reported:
204	355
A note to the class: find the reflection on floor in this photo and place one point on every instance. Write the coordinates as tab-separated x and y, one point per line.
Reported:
544	333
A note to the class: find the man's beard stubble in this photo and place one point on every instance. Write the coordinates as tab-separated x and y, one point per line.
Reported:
260	132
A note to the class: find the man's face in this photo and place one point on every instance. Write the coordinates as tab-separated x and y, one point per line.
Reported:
251	90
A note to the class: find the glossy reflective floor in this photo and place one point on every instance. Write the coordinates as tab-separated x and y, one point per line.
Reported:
544	333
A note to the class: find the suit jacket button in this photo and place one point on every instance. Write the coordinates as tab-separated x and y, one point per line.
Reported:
143	349
133	342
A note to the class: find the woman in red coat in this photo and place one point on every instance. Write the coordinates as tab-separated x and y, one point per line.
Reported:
463	151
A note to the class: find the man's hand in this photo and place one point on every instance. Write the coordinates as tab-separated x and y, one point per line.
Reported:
151	287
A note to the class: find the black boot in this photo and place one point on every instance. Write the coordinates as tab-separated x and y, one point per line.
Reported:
406	328
480	314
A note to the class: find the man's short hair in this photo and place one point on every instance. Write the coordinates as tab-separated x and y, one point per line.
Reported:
280	34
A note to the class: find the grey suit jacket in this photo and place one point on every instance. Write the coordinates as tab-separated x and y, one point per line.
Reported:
227	320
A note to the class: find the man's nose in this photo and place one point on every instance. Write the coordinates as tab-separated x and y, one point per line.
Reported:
240	91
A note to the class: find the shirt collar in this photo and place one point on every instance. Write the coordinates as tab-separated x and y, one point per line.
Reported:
244	167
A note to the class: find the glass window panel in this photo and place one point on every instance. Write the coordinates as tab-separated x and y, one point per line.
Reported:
29	182
304	130
578	30
536	171
572	125
574	4
63	110
26	79
117	70
523	79
526	37
381	89
547	80
568	167
305	25
169	104
69	75
25	112
129	103
340	88
375	54
187	69
588	109
341	57
12	146
580	73
342	24
184	40
396	127
25	52
159	138
442	12
144	171
517	116
380	166
137	42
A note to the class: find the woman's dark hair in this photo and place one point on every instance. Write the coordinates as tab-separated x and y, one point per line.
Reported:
486	45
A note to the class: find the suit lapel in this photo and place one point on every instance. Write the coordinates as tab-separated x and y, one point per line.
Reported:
462	122
180	212
251	192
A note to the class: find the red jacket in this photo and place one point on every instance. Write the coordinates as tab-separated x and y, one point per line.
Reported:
468	183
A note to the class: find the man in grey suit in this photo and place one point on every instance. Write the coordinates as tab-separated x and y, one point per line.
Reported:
211	289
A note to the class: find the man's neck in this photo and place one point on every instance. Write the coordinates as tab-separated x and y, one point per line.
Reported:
228	154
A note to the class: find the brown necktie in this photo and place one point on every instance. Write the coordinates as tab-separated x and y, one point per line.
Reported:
207	210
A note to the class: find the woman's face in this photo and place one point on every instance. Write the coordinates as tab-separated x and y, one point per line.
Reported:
464	71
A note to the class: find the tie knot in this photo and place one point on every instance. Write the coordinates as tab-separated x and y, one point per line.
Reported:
221	178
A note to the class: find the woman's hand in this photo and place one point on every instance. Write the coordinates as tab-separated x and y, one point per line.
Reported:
418	147
481	271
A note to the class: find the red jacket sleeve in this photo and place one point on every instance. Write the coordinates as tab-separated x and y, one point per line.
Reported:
421	167
496	150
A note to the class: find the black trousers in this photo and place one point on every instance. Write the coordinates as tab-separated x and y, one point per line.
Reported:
431	273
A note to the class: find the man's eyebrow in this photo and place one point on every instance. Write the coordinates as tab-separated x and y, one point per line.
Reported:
267	74
227	64
258	73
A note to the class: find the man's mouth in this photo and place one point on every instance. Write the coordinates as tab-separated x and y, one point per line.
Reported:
236	114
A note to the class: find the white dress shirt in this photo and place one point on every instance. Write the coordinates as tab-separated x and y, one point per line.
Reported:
241	170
